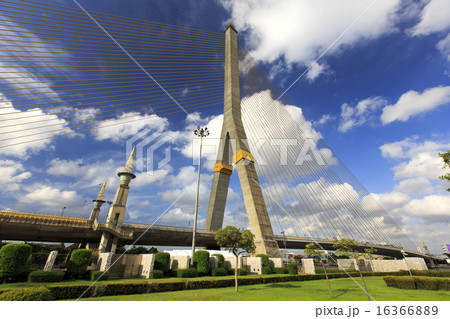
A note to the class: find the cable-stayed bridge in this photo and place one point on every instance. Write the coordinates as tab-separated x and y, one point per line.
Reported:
53	228
65	72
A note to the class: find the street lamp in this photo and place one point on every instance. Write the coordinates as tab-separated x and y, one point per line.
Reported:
284	242
62	212
200	132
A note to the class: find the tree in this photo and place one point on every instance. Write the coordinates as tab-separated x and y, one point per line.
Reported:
236	242
137	250
314	250
446	158
346	247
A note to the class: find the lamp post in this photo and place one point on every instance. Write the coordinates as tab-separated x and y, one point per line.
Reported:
62	212
284	242
200	132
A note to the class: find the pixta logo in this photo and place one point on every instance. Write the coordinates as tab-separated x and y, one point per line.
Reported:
153	150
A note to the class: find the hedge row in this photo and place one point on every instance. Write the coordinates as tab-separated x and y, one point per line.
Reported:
219	272
75	291
422	283
46	276
27	294
241	271
428	273
334	271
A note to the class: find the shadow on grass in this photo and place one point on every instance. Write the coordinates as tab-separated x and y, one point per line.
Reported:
340	292
278	285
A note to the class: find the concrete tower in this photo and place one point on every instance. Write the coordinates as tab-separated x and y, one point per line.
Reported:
232	141
116	212
98	203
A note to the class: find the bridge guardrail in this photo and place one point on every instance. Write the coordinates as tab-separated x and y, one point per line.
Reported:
112	228
170	228
43	217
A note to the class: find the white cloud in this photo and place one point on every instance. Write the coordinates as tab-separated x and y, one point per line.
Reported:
412	103
178	217
418	201
398	149
52	198
144	179
422	165
185	189
117	133
13	129
419	160
323	120
415	186
315	70
85	174
191	148
298	31
363	112
444	46
13	173
431	205
388	201
434	18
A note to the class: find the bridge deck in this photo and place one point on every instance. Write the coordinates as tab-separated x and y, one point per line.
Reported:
53	228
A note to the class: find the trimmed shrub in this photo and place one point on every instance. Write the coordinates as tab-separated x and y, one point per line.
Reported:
220	260
250	281
27	294
162	262
46	276
443	284
97	275
155	274
266	270
292	269
126	288
406	283
430	273
205	284
201	262
241	271
423	283
390	281
167	286
426	283
187	273
219	272
264	259
15	260
78	262
72	292
280	270
333	271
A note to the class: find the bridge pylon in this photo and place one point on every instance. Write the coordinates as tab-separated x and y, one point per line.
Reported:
116	213
233	142
98	202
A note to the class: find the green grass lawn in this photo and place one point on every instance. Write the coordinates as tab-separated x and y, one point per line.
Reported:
344	289
135	280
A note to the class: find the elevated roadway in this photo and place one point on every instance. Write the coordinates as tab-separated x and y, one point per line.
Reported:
53	228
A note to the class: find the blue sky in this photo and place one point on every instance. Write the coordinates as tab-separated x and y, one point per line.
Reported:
379	96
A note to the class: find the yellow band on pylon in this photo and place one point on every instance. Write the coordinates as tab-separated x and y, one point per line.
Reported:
223	168
243	154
